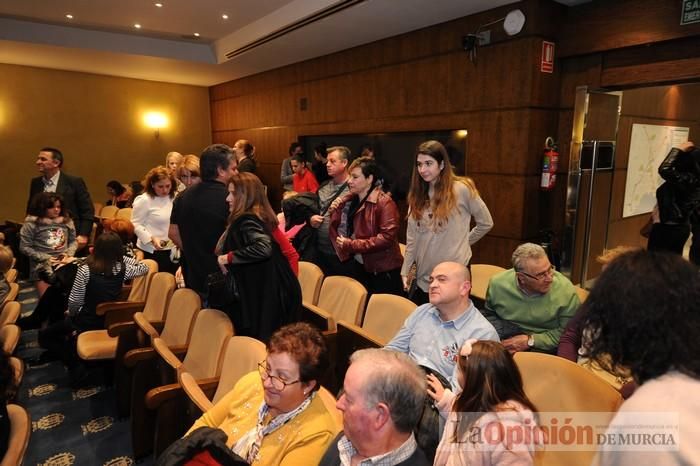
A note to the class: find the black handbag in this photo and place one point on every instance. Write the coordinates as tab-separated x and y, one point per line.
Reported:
222	291
428	431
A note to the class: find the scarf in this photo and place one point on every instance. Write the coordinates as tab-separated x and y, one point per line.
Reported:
248	446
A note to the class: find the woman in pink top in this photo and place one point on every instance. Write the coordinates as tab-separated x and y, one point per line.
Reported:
491	422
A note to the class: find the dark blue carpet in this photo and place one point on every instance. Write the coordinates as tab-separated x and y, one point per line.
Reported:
69	427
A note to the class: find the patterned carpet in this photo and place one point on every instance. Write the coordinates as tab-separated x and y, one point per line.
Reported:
69	427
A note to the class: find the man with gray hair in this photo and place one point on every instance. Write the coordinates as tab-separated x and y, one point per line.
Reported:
382	401
530	304
335	188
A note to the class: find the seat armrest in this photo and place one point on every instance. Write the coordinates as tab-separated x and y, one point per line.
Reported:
159	395
135	356
115	329
166	353
319	316
113	306
195	390
146	326
363	332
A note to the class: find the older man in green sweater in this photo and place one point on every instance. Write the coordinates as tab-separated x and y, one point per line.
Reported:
530	304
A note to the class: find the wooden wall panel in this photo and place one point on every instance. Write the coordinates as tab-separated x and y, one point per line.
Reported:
494	250
613	24
97	123
418	81
669	71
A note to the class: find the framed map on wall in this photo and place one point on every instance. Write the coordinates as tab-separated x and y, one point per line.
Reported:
649	145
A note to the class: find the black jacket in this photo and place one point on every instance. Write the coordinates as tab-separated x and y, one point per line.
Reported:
203	439
269	295
297	210
678	197
76	199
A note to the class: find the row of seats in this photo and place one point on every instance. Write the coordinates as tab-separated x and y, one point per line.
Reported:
20	421
112	211
165	349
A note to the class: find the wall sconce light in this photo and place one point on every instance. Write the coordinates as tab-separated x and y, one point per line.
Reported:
155	121
462	133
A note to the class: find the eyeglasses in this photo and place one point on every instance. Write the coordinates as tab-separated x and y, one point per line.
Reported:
277	383
542	275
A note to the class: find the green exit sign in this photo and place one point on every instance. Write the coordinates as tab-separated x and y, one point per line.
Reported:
691	12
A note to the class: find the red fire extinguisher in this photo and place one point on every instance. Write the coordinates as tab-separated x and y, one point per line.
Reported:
550	162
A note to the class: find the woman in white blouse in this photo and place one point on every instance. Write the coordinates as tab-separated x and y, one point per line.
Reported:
151	217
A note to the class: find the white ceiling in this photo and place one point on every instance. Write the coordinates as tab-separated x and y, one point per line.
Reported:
101	37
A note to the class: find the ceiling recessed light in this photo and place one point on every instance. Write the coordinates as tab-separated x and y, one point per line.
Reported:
159	5
196	34
224	16
69	16
137	26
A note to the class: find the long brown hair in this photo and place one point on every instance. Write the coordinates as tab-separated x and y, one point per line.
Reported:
491	378
250	198
108	250
444	199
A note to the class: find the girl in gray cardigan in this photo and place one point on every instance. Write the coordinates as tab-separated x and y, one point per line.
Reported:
47	237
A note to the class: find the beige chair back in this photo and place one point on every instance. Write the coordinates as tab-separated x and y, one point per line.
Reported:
20	430
182	310
204	355
97	206
329	402
344	298
159	293
386	314
310	279
124	213
241	357
139	287
12	294
557	385
11	276
109	211
581	293
9	337
481	275
10	313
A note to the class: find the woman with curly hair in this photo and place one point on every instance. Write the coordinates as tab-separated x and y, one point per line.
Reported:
643	316
275	416
440	209
151	217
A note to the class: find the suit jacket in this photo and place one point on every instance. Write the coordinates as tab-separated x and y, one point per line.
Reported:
76	199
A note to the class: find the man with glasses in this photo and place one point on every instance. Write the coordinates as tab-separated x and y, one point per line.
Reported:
530	304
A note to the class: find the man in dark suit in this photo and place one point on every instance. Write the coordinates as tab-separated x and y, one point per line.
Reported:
75	195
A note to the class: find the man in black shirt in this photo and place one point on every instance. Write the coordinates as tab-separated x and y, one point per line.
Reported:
200	213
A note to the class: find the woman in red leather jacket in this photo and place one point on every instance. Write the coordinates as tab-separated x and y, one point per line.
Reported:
364	227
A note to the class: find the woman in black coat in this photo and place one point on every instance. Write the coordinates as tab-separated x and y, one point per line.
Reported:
267	293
